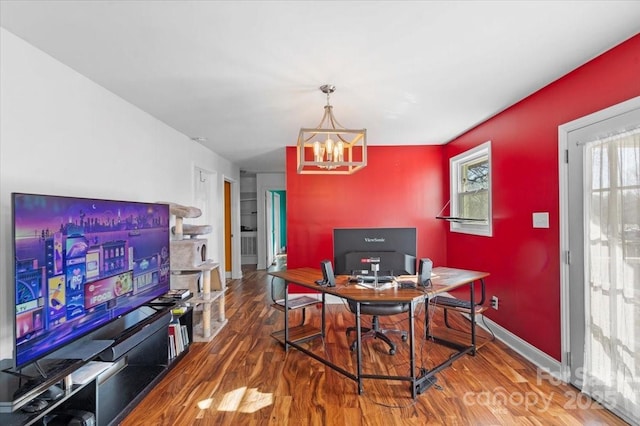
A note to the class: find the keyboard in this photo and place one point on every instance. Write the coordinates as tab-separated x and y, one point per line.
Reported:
371	278
451	301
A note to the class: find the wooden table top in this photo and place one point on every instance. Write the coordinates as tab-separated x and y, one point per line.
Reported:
443	279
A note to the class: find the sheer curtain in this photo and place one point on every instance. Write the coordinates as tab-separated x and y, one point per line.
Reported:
612	273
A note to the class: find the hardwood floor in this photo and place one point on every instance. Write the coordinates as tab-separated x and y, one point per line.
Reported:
245	377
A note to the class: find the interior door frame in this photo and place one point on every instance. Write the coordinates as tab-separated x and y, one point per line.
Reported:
228	227
236	256
563	145
263	237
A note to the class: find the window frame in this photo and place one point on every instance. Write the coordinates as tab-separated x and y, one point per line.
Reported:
456	165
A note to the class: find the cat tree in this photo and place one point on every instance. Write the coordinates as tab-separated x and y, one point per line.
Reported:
191	269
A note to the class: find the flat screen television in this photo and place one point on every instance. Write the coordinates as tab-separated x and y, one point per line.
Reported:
81	263
394	247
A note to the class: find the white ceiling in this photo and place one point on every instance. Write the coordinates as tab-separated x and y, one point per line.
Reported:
245	74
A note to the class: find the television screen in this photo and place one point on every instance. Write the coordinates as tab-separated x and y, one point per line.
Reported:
80	263
353	248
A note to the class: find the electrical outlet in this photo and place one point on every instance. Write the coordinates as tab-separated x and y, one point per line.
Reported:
494	302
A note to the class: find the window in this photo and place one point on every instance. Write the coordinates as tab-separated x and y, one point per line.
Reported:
471	191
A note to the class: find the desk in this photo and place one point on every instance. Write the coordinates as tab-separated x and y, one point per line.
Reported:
443	280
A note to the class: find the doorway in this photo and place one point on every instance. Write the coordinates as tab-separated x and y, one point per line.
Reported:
205	197
228	253
600	240
276	226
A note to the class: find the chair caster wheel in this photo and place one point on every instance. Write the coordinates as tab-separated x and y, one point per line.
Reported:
392	351
352	347
404	337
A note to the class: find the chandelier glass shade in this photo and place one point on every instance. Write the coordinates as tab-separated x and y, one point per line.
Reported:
329	148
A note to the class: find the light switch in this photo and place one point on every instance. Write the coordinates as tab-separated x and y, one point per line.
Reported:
541	220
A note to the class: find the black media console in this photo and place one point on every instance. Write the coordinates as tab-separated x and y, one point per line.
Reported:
139	357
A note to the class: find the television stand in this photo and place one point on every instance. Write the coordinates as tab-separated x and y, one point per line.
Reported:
51	367
17	388
140	360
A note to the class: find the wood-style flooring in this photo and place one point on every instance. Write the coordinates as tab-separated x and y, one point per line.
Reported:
244	377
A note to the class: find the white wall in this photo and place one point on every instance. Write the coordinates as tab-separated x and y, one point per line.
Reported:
62	134
265	182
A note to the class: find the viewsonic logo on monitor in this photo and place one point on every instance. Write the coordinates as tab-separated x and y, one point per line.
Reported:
374	239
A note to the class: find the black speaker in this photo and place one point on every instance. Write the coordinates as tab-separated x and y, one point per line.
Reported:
327	273
130	340
424	272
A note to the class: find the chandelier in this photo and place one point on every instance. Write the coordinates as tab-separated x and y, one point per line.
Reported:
330	148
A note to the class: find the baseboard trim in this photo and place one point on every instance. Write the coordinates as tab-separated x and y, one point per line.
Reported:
540	359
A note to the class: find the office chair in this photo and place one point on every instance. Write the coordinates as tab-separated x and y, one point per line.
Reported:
377	310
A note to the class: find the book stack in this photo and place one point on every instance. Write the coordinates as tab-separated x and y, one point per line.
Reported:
178	339
178	293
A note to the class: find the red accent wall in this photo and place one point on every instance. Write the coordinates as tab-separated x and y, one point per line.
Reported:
413	181
399	187
525	262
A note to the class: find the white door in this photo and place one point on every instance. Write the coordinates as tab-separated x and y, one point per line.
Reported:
277	243
604	267
205	198
268	217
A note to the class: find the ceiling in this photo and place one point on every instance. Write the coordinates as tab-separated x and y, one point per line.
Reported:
245	74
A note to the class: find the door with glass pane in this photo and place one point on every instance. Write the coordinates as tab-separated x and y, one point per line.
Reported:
604	269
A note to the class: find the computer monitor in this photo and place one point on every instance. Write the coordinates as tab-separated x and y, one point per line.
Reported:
395	247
